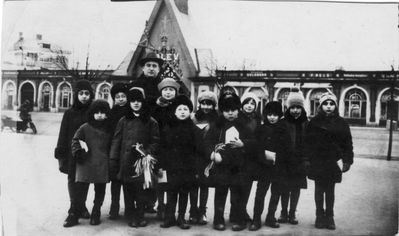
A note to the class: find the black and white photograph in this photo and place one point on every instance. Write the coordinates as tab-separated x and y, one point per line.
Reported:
199	117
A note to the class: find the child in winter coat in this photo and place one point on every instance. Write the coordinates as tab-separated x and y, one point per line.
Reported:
226	144
179	147
328	140
135	128
72	119
295	120
90	148
163	113
203	118
120	109
272	161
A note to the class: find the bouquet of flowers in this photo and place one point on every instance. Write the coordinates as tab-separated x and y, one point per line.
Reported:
144	166
215	157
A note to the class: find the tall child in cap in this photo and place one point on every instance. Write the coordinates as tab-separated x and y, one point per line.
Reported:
92	160
179	147
203	118
72	119
120	108
295	120
162	113
137	127
273	140
226	144
328	140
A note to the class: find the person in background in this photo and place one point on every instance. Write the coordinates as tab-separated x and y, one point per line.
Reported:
328	140
92	160
72	119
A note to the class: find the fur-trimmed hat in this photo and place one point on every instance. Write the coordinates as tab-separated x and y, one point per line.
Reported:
118	88
98	105
229	102
274	107
207	95
136	94
168	82
247	96
152	56
83	85
295	98
328	96
182	100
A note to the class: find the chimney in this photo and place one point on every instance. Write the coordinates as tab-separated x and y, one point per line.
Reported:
38	37
182	5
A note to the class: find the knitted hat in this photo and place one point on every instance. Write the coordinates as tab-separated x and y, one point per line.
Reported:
152	56
136	94
229	102
98	105
83	85
168	82
247	96
327	96
182	100
274	107
295	98
118	88
207	95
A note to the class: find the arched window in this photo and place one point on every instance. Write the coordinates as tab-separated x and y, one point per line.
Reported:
104	92
10	91
385	99
46	93
314	100
355	104
282	97
66	94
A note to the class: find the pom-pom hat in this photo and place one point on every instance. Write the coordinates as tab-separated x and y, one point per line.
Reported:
295	98
328	96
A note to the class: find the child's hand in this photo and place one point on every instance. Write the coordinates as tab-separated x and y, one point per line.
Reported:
345	167
237	143
81	156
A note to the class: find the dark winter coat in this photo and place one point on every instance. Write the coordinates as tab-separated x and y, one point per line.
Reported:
117	112
129	131
328	140
72	119
162	112
150	86
232	169
274	138
179	149
296	129
94	168
252	123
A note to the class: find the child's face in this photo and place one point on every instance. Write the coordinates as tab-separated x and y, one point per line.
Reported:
120	99
249	107
84	96
136	105
99	115
206	106
272	118
168	93
328	107
182	112
296	111
230	115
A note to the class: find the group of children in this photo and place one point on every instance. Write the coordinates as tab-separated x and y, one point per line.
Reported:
166	147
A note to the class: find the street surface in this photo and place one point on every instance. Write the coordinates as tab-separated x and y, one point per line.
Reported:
34	198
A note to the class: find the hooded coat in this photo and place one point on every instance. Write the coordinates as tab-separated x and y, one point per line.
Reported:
132	129
296	129
328	140
72	119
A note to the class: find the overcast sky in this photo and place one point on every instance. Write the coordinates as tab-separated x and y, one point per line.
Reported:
303	36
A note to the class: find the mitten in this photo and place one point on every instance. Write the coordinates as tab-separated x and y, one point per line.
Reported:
60	153
346	167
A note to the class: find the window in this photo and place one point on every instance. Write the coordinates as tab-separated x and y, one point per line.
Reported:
282	97
355	104
65	96
385	99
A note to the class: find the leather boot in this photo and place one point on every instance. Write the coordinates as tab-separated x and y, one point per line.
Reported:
292	218
320	219
330	223
114	211
95	215
71	220
181	222
255	225
283	217
271	222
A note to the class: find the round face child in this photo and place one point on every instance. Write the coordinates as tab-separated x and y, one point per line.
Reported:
120	99
84	96
328	107
272	118
151	69
230	115
296	111
100	116
182	112
136	105
168	93
206	106
249	107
